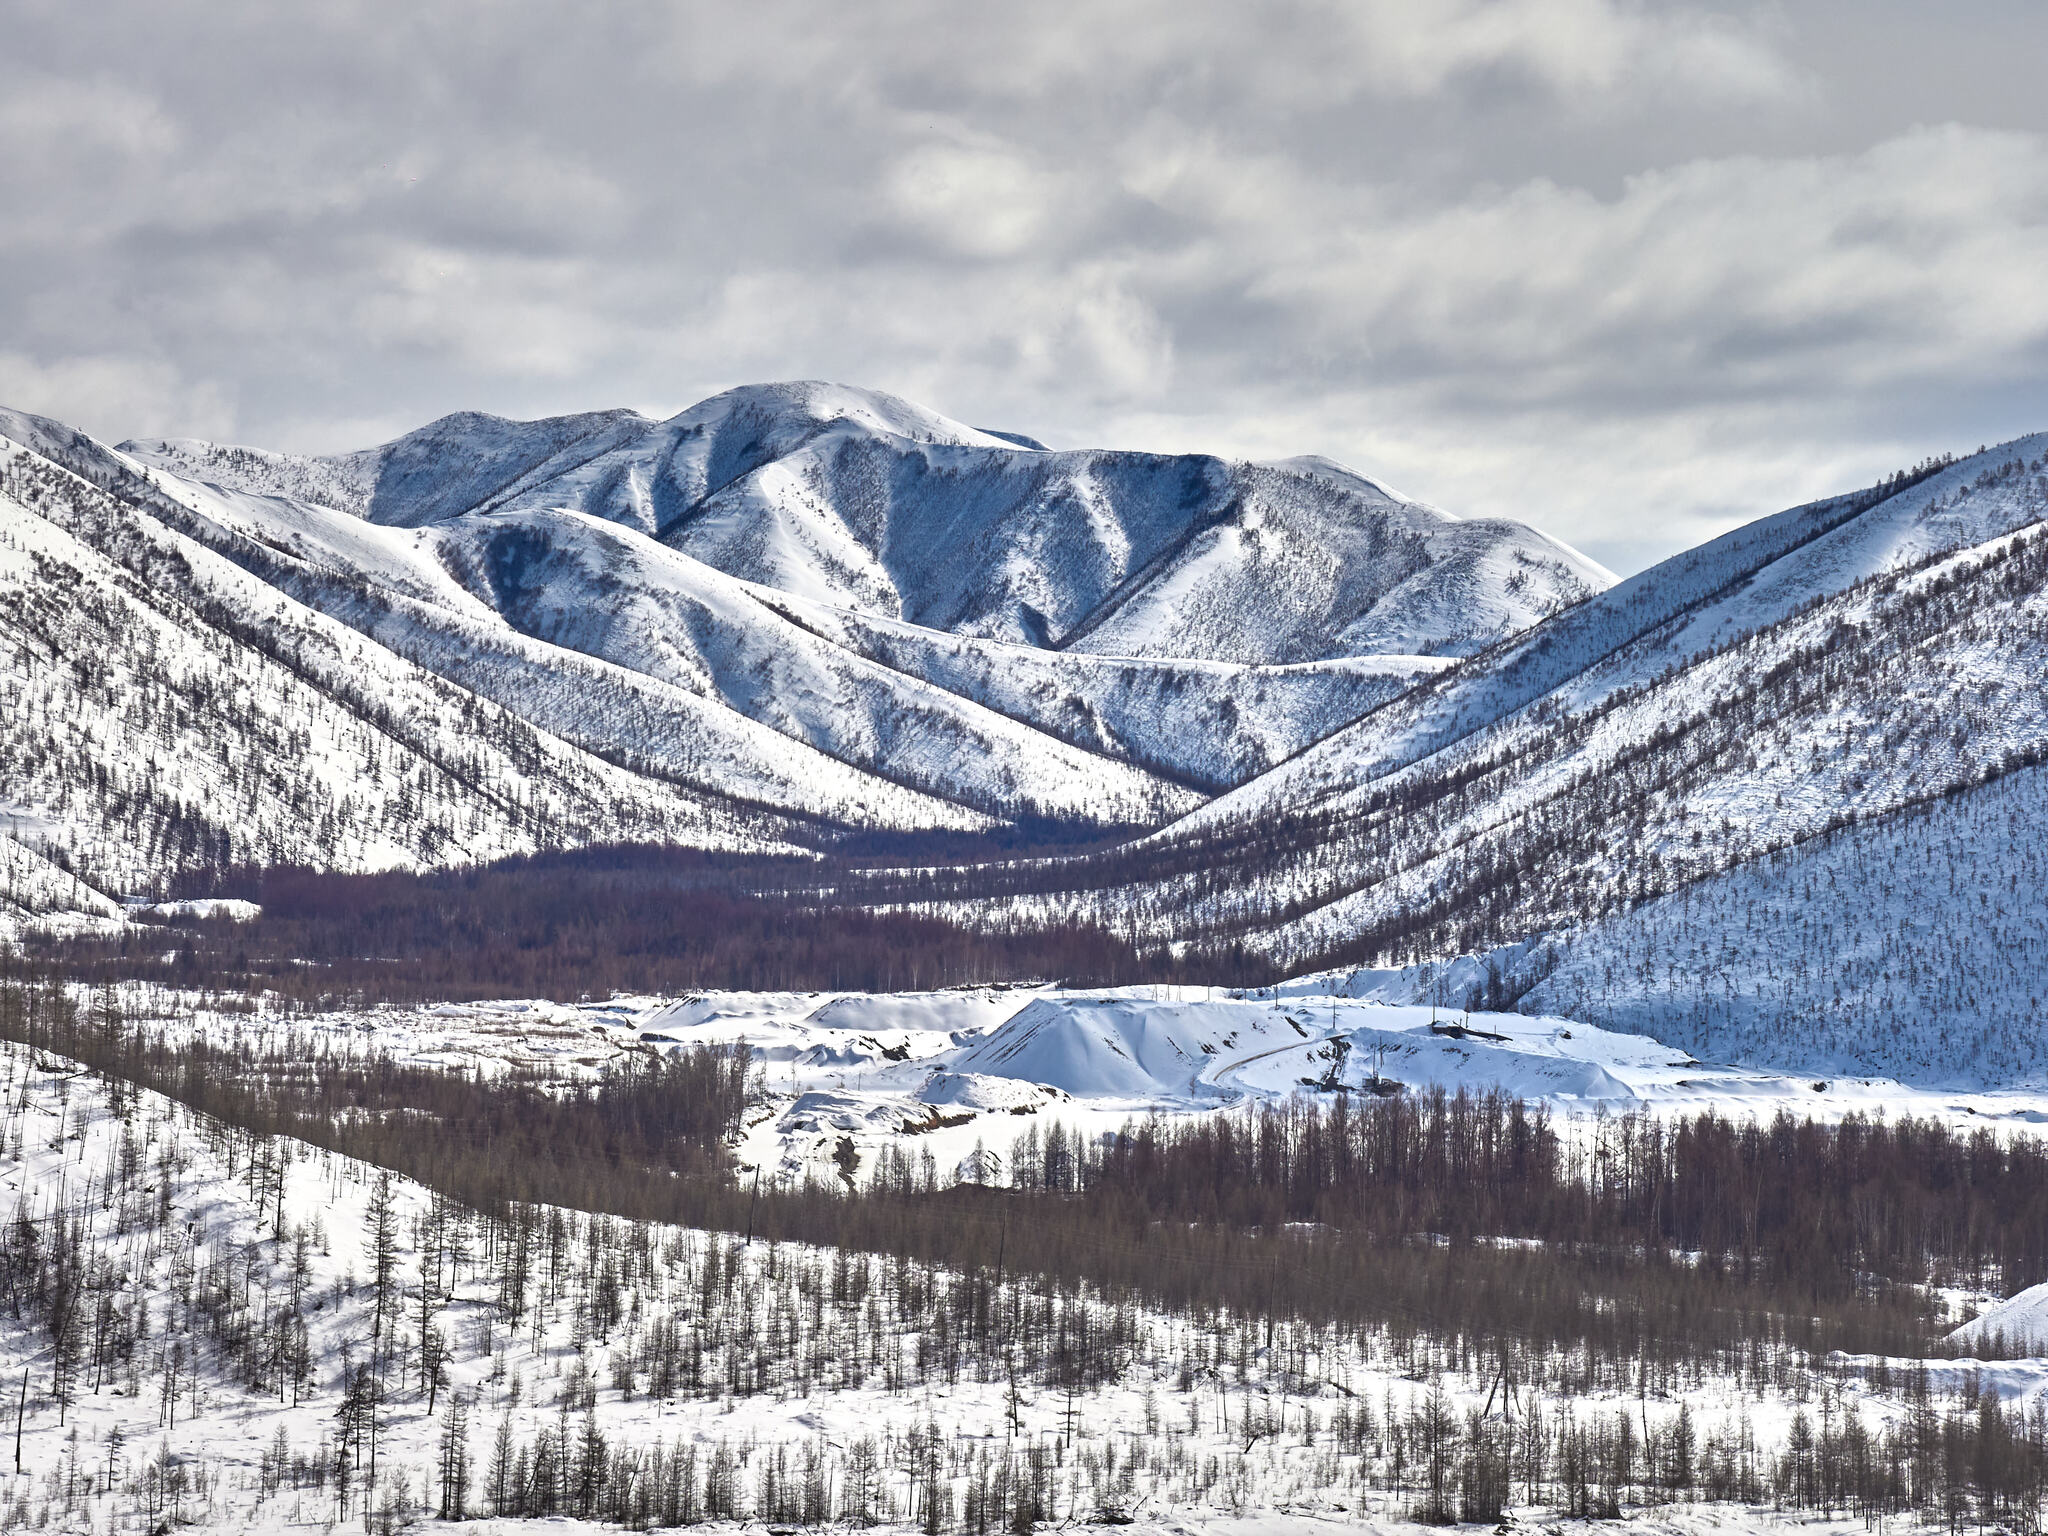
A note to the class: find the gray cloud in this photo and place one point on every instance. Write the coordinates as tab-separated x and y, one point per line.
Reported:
1629	271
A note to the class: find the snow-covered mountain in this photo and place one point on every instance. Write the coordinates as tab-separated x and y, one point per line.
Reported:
1080	636
163	710
1346	727
789	610
1843	666
1084	637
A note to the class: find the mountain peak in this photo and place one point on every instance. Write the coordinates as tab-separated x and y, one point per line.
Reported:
822	402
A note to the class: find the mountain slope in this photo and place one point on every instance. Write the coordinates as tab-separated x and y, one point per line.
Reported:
1887	651
547	576
834	606
516	604
1903	687
1746	580
1207	722
1912	945
1022	633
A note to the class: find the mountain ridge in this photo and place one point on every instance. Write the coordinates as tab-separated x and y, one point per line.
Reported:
783	485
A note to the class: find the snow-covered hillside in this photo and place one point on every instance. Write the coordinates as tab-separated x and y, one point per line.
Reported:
1916	943
1669	616
704	678
249	1363
1820	668
1210	723
235	1332
166	710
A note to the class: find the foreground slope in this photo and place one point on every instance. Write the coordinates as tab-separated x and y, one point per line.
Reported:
279	1336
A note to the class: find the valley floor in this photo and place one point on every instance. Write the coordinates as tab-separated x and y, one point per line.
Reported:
961	1074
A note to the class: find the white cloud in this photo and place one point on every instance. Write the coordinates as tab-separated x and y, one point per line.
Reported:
978	200
523	316
1576	48
114	397
1293	53
1717	278
1569	258
72	119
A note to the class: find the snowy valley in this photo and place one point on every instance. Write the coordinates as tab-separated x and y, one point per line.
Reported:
807	963
1274	709
236	1330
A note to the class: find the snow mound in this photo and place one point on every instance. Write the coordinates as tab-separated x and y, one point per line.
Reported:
2021	1319
825	1111
235	911
1517	1067
1107	1048
944	1013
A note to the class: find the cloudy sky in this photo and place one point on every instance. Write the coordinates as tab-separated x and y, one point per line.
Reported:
1631	272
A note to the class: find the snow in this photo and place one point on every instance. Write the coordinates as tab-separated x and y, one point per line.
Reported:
1117	1047
549	528
988	1095
587	586
1915	945
1635	631
344	484
34	889
856	501
831	603
223	907
1603	753
802	597
156	691
424	619
1217	722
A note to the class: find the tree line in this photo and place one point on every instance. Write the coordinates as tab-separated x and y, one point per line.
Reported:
582	924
